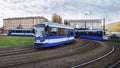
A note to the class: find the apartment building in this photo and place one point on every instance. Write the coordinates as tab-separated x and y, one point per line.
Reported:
22	22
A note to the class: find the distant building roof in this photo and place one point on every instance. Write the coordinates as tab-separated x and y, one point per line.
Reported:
85	20
36	17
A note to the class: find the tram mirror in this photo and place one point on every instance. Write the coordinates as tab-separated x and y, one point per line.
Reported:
33	31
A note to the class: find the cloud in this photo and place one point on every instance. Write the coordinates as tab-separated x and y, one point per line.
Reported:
68	9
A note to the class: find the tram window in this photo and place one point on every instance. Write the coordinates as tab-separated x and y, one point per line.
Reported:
99	33
85	33
90	33
94	33
62	31
53	31
80	33
12	31
27	31
77	33
18	31
72	33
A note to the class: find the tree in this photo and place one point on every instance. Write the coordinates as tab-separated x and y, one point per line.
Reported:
56	18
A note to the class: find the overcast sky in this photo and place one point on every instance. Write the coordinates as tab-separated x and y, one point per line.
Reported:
67	9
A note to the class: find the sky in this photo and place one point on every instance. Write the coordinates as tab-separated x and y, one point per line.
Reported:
67	9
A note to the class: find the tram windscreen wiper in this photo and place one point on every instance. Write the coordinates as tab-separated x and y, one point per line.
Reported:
39	32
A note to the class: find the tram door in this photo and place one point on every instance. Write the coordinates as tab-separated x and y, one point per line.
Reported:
68	34
47	33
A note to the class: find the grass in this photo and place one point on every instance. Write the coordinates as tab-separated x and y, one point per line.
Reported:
117	40
15	41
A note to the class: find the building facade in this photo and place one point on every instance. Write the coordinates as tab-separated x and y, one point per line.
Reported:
85	23
113	27
22	22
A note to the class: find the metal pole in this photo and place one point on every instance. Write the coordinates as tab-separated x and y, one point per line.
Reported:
104	25
85	25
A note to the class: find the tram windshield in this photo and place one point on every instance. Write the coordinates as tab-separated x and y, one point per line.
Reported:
39	31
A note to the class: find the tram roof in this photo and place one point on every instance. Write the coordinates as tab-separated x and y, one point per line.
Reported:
56	25
20	29
89	30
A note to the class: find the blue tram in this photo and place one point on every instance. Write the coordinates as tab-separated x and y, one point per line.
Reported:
48	34
91	34
20	32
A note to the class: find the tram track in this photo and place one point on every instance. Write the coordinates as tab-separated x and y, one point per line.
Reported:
35	58
16	50
21	50
70	55
68	61
49	61
115	64
94	60
107	60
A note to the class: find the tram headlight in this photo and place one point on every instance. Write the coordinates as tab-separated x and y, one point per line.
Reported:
38	41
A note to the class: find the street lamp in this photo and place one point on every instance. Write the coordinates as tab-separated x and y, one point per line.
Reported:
88	13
